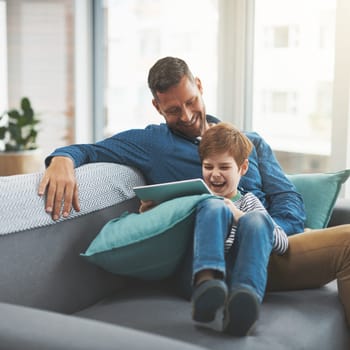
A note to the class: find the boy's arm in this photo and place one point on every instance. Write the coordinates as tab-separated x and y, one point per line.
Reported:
280	243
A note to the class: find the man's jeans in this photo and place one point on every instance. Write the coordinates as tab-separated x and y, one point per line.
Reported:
245	264
313	259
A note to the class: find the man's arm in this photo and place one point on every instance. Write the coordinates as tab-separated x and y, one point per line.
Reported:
59	180
282	201
132	147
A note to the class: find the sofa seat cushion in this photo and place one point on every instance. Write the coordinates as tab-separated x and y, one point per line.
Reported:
309	319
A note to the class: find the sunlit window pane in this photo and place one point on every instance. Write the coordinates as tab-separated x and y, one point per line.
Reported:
293	79
138	33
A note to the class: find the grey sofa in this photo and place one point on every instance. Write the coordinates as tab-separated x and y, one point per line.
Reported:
51	298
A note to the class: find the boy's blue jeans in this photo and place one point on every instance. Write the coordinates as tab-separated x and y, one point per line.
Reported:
245	264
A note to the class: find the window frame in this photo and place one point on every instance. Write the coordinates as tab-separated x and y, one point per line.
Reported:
340	149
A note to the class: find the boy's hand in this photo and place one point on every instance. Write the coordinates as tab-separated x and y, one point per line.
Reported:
146	205
237	214
60	186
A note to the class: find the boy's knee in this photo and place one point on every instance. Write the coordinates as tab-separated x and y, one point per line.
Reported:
212	205
256	218
257	221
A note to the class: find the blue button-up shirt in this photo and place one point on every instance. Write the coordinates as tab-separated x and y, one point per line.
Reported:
164	156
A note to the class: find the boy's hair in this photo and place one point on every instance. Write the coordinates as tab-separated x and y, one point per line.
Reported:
224	137
167	72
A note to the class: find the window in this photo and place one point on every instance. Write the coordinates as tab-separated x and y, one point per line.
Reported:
40	65
277	67
139	32
293	80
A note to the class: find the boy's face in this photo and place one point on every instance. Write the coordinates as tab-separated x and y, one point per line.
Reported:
183	108
222	175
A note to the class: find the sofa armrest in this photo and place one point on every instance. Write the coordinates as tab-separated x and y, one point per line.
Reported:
40	262
341	213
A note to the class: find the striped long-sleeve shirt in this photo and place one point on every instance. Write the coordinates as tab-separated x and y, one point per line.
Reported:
250	202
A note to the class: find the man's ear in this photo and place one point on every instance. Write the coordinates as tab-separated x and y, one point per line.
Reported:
156	106
199	84
244	167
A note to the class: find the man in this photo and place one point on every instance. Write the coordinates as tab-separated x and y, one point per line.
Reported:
169	152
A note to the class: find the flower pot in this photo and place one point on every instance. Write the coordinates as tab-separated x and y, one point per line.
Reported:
21	162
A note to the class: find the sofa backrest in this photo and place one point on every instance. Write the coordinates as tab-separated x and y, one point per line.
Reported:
40	264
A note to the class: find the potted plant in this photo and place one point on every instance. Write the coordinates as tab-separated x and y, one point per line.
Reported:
18	132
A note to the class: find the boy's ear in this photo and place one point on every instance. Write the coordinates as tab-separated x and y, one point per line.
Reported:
244	167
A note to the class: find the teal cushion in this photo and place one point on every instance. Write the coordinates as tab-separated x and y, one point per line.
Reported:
148	245
319	192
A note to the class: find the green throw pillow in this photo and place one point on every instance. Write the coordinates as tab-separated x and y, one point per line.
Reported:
319	192
148	245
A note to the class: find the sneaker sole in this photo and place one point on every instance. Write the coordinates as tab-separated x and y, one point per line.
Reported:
241	313
207	301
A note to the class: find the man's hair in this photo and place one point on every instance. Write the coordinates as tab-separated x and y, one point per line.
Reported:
167	72
224	137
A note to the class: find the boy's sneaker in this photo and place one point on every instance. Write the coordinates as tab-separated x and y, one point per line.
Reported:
241	312
207	298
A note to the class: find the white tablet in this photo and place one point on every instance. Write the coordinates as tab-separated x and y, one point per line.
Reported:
169	190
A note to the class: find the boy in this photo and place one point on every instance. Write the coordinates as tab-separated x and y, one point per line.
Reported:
231	271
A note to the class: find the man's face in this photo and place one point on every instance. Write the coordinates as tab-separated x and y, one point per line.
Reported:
183	108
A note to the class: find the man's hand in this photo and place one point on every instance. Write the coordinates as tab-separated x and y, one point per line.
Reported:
60	186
